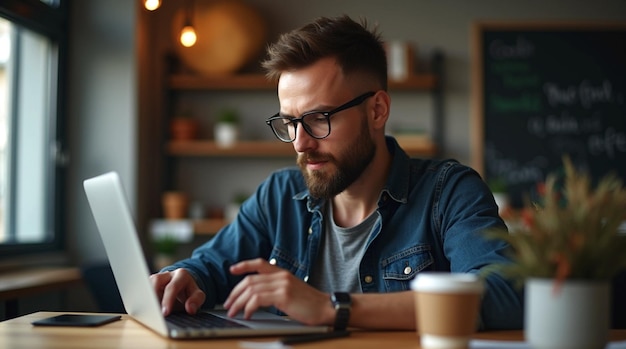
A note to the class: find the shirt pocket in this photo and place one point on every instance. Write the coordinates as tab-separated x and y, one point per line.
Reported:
400	268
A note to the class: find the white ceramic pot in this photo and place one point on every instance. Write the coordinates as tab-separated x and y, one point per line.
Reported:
162	260
575	315
502	200
226	134
231	211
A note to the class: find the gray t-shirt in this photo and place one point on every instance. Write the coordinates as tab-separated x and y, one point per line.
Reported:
336	268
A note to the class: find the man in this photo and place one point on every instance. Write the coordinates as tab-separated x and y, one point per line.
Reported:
359	219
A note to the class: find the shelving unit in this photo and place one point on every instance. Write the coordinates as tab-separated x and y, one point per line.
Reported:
418	147
426	146
240	149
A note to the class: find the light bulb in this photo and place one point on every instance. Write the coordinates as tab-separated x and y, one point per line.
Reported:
188	36
152	5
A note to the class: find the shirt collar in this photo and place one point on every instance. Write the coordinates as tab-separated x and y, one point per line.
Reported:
397	184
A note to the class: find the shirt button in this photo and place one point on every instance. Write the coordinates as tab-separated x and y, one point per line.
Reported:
306	278
407	270
368	279
273	261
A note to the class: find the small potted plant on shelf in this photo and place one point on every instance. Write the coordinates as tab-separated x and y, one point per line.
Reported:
566	252
499	190
183	127
232	209
166	237
175	204
165	248
227	128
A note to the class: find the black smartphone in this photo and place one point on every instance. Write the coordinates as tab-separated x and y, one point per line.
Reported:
80	320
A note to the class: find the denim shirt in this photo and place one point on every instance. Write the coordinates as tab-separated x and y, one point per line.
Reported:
431	217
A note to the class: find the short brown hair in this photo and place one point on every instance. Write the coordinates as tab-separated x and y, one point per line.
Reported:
356	48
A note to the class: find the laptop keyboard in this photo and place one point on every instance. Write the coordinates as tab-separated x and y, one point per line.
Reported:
201	320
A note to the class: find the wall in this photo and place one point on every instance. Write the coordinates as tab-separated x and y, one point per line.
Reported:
103	68
102	110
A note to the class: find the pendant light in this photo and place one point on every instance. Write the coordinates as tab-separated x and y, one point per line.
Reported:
188	33
152	5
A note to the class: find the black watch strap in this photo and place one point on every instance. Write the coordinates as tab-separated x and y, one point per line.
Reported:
342	303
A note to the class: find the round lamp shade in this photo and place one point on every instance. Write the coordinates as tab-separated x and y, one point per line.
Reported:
229	35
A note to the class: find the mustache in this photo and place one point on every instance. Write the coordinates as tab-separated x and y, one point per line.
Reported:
304	158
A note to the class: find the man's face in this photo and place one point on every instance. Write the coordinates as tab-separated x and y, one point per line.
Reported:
332	164
342	168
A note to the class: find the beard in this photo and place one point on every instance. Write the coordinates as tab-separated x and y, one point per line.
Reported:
350	164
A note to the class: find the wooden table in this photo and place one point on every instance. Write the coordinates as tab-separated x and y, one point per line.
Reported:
30	281
19	333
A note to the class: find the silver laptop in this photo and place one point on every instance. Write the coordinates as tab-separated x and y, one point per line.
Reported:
110	209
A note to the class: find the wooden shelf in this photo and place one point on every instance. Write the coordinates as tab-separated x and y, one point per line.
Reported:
259	82
225	82
425	82
240	149
209	226
419	147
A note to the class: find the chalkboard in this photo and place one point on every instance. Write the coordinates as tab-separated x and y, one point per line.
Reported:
540	92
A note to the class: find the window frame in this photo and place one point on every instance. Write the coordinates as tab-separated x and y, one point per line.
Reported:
49	20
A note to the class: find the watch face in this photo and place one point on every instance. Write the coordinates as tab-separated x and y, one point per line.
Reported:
342	303
341	297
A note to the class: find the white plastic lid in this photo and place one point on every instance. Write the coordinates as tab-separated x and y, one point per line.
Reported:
447	282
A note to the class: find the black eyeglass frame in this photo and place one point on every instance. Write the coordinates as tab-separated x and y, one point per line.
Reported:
327	114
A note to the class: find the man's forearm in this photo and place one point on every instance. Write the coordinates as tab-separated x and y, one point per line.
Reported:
383	310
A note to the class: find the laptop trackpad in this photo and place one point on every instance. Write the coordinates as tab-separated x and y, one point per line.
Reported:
260	319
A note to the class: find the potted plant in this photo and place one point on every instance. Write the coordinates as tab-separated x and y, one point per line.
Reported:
184	128
166	237
232	209
566	252
499	190
227	128
165	247
175	204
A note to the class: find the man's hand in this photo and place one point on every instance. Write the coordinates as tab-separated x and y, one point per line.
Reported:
177	286
269	285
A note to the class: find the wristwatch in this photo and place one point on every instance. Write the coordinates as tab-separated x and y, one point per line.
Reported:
341	302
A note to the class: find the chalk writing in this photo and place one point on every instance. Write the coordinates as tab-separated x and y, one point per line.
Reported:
520	81
591	94
527	102
607	143
549	92
586	93
508	67
521	48
562	124
557	96
513	171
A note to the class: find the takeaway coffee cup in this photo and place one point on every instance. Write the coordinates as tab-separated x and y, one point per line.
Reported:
446	308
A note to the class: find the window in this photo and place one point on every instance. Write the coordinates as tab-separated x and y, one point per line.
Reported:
32	44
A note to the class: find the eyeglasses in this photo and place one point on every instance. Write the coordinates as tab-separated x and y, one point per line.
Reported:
315	123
